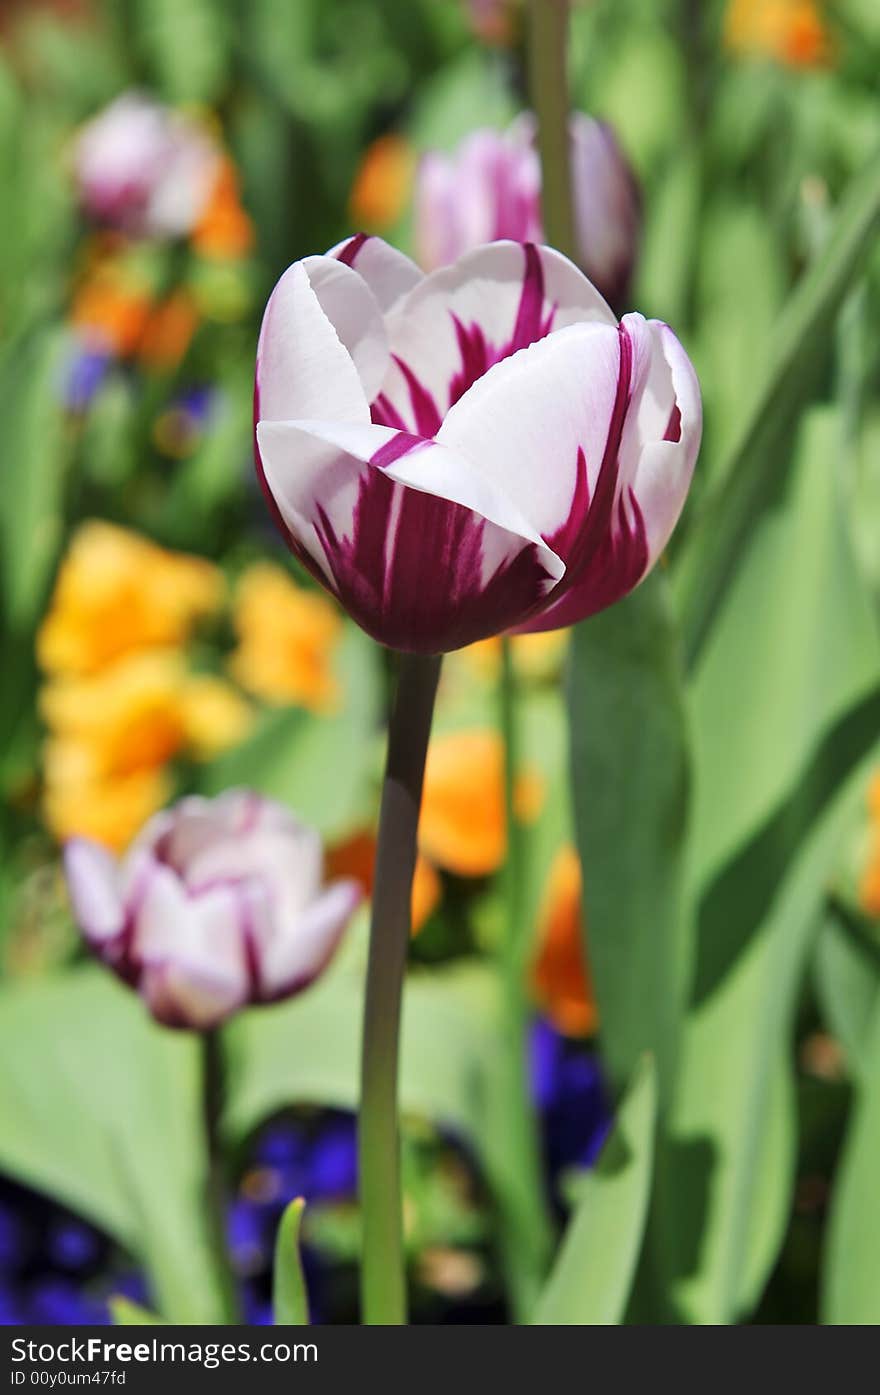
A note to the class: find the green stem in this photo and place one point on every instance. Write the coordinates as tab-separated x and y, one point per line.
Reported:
526	1234
547	35
216	1181
383	1274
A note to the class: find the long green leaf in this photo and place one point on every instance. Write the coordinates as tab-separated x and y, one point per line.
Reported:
113	1127
289	1296
591	1280
851	1274
629	757
847	976
749	475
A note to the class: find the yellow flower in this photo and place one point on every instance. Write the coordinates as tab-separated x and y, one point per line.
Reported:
462	825
110	811
869	886
560	978
536	657
286	636
116	593
382	184
792	32
111	736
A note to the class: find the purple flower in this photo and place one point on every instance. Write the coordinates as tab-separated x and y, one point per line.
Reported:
481	449
218	903
490	188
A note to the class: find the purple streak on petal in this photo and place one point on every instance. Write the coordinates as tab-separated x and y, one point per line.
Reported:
404	443
604	549
673	430
424	593
348	253
532	323
384	413
428	417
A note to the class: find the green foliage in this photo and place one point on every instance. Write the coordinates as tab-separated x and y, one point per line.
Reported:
289	1287
593	1273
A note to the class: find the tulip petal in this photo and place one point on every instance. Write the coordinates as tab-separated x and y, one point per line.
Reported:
322	349
459	321
526	424
93	883
656	453
423	551
179	995
299	950
388	273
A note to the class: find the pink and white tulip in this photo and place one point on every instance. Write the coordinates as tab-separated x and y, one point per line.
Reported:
218	904
490	188
481	449
144	168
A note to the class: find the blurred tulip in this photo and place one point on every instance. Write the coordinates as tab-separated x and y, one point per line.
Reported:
442	494
218	904
224	231
461	827
560	978
490	188
142	167
117	592
792	32
287	640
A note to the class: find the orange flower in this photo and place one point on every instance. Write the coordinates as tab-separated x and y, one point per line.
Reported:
224	231
356	857
287	637
462	825
117	592
110	310
792	32
869	885
382	183
111	811
168	331
560	977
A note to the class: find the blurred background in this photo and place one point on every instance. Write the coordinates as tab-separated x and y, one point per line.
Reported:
161	162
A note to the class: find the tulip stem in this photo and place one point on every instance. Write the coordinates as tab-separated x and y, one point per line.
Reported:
547	58
216	1179
383	1270
526	1235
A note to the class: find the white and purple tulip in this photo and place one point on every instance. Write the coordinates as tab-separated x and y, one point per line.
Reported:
218	903
144	168
490	188
473	451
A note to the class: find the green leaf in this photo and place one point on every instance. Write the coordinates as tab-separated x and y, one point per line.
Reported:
35	462
847	977
629	761
127	1314
114	1129
593	1274
771	762
750	474
289	1294
186	45
322	767
851	1274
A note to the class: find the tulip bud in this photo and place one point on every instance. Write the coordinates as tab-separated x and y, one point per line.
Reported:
477	450
218	904
144	168
490	188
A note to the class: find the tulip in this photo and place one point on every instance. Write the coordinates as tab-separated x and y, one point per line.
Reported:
144	168
490	188
480	449
219	903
